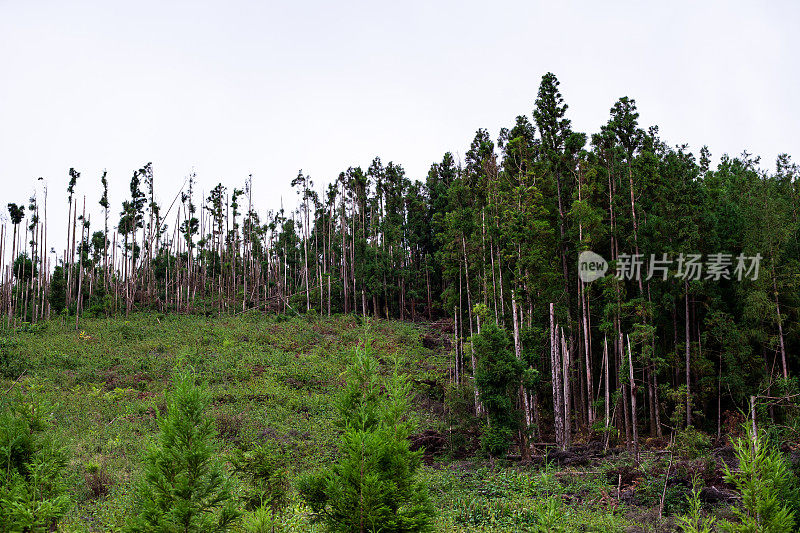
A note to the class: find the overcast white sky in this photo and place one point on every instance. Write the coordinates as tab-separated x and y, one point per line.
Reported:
233	88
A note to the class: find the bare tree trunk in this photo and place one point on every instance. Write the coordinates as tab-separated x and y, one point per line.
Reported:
607	392
566	362
688	361
469	314
79	299
586	351
620	351
634	427
555	365
524	447
68	257
780	327
456	374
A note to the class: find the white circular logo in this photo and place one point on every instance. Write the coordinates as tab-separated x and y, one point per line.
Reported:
591	266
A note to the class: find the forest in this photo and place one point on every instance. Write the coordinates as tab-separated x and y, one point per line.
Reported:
692	331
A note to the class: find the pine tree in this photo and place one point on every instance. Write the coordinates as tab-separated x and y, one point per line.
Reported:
770	491
372	487
33	488
184	486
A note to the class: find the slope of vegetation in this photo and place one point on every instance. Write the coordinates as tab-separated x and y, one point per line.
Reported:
272	384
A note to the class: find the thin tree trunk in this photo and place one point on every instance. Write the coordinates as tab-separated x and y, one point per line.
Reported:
780	328
566	362
607	392
555	366
634	427
524	447
688	360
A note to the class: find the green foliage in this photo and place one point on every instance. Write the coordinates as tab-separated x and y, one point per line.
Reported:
497	514
278	381
372	487
24	268
464	425
786	428
498	379
294	519
492	501
770	492
264	468
33	488
650	489
262	520
691	444
11	365
129	331
548	515
184	486
694	521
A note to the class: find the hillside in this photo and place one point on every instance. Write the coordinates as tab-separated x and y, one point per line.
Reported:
273	380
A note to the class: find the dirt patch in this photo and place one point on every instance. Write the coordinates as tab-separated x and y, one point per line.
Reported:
300	384
431	342
98	483
115	378
229	427
225	398
259	397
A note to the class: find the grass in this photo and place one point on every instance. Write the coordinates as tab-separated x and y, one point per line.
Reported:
272	379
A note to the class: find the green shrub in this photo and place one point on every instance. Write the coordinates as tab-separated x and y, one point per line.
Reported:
768	487
691	443
262	520
184	487
265	520
498	378
264	469
694	521
459	400
548	515
130	332
11	365
98	482
27	327
651	488
372	487
32	482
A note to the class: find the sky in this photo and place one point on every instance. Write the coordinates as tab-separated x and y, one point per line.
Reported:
228	89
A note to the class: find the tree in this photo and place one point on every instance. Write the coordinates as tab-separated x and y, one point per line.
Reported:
72	211
373	486
770	491
16	213
497	231
498	377
33	490
184	486
105	205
